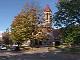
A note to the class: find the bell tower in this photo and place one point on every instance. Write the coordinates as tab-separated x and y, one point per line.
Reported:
47	16
47	24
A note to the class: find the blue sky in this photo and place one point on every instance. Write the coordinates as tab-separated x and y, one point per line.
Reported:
10	8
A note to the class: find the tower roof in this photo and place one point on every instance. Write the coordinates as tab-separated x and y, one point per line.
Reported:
47	8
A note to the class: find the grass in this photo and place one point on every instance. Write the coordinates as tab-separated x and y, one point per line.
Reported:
63	48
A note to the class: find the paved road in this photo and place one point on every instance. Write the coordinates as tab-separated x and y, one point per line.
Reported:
41	56
38	55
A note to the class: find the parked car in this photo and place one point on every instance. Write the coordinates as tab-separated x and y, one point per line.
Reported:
3	47
15	48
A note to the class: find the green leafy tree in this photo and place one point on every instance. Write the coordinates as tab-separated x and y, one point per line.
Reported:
71	35
68	18
68	13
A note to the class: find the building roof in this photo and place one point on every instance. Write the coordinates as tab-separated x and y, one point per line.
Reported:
56	33
47	8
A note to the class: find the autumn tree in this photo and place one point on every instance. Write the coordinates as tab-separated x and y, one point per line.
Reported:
24	25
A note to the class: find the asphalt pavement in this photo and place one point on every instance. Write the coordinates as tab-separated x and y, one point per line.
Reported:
38	54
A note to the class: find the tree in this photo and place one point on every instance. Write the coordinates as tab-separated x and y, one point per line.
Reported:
40	37
6	37
68	18
24	25
68	13
71	35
